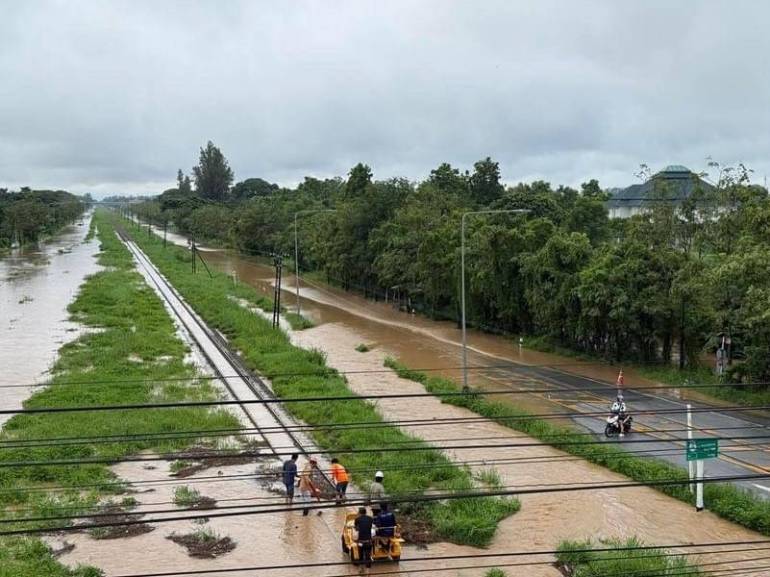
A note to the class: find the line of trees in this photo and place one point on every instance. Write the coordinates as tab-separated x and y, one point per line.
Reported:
27	215
661	285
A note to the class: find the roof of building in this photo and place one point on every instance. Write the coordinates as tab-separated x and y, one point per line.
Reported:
674	183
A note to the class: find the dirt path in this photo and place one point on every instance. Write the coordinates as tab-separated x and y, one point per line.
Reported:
545	519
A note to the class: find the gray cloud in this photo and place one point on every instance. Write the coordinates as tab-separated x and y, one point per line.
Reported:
115	96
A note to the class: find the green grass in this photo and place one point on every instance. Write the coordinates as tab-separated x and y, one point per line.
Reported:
727	501
131	338
362	348
184	496
28	557
495	572
580	563
298	322
295	372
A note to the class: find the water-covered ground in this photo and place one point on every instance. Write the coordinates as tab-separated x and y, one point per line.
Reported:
36	285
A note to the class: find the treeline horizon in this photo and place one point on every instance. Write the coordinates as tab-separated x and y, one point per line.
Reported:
662	284
28	215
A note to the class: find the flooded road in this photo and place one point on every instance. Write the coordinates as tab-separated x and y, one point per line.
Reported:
545	518
581	390
36	285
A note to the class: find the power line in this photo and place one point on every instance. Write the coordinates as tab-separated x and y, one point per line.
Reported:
273	500
537	459
513	365
394	499
344	451
434	559
344	398
42	442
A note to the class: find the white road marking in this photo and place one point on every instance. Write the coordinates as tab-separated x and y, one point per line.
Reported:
762	487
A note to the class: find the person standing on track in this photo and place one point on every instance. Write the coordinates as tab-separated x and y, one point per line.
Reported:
340	477
307	488
290	476
376	492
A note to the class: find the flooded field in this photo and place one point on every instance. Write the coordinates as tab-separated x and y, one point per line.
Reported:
36	285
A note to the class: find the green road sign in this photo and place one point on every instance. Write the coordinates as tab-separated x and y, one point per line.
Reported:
702	449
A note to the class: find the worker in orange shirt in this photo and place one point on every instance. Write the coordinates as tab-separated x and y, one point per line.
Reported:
340	477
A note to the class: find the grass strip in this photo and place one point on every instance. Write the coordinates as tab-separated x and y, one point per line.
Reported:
296	372
128	335
726	500
575	561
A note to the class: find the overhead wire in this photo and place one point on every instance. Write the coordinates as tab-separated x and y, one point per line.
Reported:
378	397
663	549
239	510
536	459
42	442
342	451
511	365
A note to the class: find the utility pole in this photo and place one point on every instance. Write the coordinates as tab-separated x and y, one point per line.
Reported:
462	279
278	263
165	226
690	464
296	249
192	251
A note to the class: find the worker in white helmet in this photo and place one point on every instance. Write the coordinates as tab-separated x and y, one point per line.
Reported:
376	492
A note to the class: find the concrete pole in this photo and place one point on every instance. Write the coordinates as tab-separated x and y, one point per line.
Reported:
690	464
296	263
699	490
462	299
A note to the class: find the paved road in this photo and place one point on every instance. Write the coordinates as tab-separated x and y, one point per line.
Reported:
586	395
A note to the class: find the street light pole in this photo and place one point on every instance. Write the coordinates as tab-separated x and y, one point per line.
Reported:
462	278
296	249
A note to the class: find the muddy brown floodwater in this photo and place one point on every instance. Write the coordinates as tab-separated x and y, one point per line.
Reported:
36	285
344	321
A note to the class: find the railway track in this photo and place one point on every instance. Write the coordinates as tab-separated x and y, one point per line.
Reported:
272	423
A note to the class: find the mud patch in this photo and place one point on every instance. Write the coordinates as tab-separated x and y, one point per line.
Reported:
416	531
116	514
204	544
200	459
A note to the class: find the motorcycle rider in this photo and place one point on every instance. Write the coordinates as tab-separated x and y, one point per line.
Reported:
619	410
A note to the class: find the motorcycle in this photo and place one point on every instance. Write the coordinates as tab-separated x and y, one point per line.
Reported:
615	425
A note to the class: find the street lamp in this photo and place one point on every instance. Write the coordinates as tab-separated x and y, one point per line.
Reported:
462	277
296	248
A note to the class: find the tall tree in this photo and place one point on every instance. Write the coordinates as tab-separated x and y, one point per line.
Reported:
484	183
213	175
183	184
359	177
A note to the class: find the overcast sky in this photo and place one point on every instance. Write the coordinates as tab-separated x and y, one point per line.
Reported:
113	96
